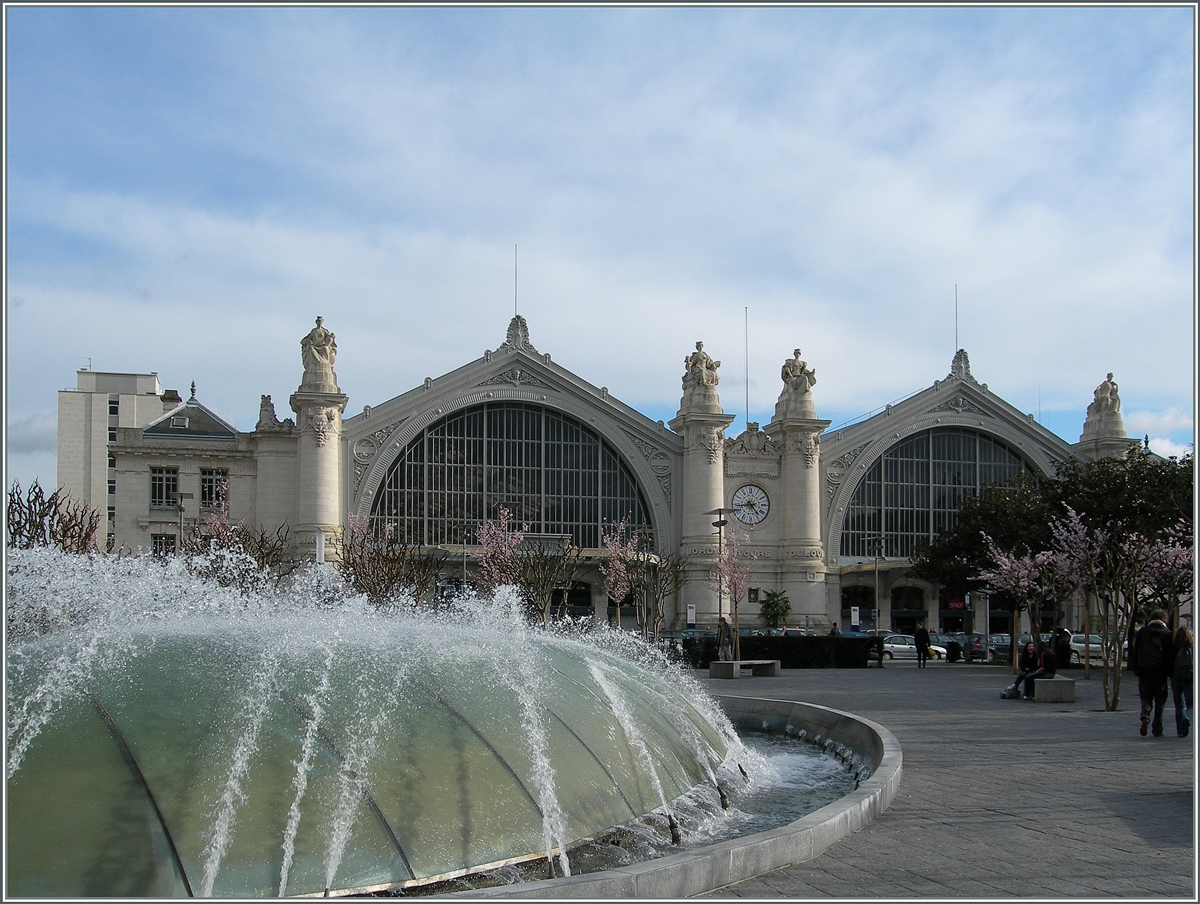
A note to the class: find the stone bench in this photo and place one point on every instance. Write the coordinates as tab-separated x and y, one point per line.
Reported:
760	668
1054	690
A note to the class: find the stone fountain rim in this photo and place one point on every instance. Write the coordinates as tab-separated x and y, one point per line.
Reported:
715	866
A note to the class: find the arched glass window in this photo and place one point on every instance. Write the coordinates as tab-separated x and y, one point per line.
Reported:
549	470
913	491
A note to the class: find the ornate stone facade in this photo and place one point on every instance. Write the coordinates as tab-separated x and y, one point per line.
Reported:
315	472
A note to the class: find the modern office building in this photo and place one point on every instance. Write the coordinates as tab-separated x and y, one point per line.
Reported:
830	517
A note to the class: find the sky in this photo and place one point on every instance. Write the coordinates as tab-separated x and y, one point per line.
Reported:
188	188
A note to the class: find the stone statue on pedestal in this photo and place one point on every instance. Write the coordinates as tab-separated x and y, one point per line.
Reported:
796	401
797	375
318	351
1105	400
701	370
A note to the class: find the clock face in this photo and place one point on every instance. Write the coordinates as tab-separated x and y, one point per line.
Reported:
750	504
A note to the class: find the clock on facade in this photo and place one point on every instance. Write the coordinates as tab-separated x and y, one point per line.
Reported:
750	504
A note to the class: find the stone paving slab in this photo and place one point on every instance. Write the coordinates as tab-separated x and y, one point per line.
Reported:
1000	798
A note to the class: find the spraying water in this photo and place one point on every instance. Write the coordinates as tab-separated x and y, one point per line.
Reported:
296	739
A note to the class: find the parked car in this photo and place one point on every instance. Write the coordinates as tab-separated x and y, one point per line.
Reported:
903	646
1078	649
999	646
974	647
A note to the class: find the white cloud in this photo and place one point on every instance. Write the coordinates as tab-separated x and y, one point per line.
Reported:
1168	449
836	172
38	433
1172	421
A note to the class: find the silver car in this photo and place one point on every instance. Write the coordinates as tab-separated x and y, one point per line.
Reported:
902	646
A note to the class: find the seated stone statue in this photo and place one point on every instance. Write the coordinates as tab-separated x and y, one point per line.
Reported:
1105	400
797	375
701	369
318	349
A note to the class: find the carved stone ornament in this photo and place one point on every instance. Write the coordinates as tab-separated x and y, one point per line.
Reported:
659	461
960	405
322	422
268	422
514	376
810	445
709	439
384	432
518	336
365	449
960	368
751	442
839	467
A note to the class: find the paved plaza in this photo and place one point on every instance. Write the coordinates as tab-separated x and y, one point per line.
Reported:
999	798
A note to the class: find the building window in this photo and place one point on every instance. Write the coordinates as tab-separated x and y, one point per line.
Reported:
214	487
112	463
913	491
549	470
114	410
164	487
112	528
112	487
162	544
180	422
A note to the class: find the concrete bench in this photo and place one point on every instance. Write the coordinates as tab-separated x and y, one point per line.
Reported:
760	668
1054	690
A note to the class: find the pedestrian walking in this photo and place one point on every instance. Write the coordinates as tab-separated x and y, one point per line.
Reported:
921	638
1182	677
1152	659
724	640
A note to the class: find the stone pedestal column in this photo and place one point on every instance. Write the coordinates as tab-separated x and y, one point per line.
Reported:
319	496
701	423
796	430
318	404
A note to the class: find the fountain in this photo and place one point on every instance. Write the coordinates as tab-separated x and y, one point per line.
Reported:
169	736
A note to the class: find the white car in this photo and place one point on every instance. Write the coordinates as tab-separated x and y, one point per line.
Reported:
1077	648
902	646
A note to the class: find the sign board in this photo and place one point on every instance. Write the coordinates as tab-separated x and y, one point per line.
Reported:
854	617
752	594
691	616
955	604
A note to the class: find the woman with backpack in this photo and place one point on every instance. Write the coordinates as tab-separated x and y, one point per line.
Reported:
1181	680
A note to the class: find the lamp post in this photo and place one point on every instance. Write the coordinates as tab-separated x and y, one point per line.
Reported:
878	549
179	497
719	524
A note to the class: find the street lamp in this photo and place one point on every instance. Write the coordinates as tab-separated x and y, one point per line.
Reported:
719	524
179	497
878	544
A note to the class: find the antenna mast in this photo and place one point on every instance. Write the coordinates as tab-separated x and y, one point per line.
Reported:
747	312
514	280
956	318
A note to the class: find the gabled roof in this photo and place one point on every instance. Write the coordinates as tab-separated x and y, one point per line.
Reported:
957	400
191	420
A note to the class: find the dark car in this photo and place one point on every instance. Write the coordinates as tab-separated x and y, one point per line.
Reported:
974	647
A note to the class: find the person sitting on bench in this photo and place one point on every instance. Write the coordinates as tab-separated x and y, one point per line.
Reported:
1047	666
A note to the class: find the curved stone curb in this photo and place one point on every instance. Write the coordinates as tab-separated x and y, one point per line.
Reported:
717	865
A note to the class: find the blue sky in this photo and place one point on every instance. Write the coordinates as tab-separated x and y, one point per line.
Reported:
187	188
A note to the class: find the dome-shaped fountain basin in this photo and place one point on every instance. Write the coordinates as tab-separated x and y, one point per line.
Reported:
294	753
